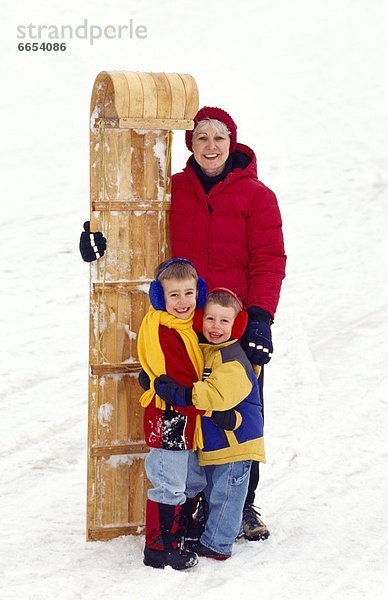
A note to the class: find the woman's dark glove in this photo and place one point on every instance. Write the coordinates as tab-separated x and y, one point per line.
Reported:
226	419
144	380
91	245
257	338
173	393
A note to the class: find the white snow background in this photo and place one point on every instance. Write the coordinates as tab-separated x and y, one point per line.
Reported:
307	83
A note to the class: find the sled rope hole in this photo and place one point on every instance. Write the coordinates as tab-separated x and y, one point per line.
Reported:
102	192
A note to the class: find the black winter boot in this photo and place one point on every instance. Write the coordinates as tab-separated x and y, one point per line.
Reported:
176	559
195	512
189	525
202	550
163	532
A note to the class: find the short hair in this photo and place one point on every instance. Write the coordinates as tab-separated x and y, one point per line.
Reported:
219	126
224	299
176	270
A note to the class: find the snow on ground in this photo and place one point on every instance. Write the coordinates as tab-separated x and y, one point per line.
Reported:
306	83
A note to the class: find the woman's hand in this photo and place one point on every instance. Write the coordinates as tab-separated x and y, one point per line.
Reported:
257	338
91	245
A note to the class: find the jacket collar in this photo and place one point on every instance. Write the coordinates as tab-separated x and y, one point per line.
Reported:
205	344
244	165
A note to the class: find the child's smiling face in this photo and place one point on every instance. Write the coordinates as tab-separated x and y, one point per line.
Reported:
218	322
180	296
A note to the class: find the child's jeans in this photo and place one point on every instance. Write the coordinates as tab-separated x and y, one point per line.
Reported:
174	474
225	492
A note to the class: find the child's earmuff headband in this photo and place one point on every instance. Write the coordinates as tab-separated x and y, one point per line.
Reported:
230	292
241	319
156	292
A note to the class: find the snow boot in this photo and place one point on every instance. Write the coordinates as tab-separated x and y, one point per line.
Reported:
196	512
254	528
202	550
163	534
176	559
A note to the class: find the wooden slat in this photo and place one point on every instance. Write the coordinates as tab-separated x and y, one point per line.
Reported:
104	534
131	205
92	462
191	95
149	89
115	369
122	93
111	123
103	96
130	388
138	485
115	144
155	124
152	174
117	450
178	92
119	286
138	166
145	123
136	95
163	91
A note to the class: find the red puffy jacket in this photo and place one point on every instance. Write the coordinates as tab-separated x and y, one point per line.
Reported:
233	235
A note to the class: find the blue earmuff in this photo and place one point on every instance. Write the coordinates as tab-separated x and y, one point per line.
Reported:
156	292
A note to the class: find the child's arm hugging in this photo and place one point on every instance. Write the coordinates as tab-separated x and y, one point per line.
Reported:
180	396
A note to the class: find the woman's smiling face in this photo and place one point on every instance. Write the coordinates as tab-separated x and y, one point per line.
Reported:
211	149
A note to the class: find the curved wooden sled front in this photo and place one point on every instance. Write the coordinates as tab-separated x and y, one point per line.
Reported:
132	115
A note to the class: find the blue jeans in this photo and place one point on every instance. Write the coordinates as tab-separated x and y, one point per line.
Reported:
174	474
225	492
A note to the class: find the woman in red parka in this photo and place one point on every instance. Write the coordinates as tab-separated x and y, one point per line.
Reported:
225	221
228	224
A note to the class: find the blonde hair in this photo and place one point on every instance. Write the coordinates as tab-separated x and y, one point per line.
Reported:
179	269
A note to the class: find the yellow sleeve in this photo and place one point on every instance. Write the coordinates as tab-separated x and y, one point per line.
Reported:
226	387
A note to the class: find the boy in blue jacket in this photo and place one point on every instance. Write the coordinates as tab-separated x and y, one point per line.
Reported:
234	439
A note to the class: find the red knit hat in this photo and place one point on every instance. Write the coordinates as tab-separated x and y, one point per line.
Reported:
212	112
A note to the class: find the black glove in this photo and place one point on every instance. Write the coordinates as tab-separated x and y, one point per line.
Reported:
257	338
144	380
91	245
226	419
173	393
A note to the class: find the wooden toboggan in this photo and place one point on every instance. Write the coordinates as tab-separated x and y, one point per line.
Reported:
132	116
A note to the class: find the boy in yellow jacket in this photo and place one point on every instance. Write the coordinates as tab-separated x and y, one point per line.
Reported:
229	385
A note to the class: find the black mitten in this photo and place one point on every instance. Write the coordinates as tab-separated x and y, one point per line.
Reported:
257	338
144	380
226	419
91	245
